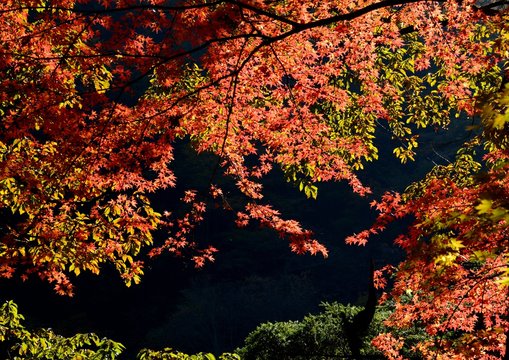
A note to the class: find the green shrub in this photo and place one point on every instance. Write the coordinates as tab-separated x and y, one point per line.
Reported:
315	337
44	344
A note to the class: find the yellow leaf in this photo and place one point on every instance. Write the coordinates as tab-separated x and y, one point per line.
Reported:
484	207
455	244
499	121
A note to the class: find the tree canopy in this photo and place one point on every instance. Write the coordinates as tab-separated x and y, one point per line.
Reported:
97	93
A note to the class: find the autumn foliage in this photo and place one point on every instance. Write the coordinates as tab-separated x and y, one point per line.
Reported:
95	95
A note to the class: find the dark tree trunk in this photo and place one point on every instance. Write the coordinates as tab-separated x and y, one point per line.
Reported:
358	327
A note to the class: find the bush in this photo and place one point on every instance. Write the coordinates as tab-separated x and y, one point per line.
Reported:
314	337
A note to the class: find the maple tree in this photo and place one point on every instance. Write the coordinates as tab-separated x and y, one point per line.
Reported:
453	281
95	95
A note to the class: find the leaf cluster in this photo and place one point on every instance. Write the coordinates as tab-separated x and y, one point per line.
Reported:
23	343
